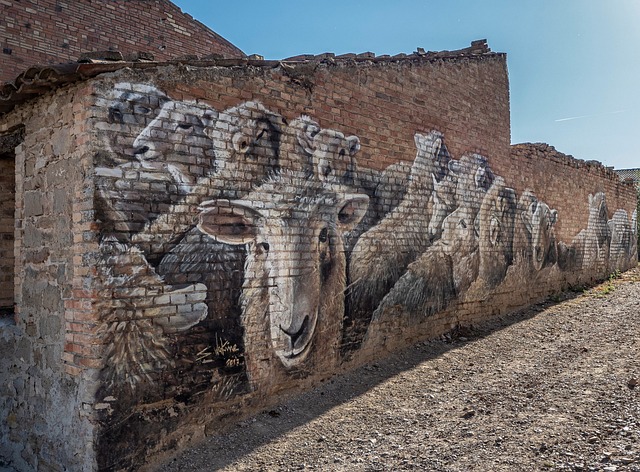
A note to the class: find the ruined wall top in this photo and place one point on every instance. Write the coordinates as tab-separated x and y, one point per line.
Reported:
40	79
547	151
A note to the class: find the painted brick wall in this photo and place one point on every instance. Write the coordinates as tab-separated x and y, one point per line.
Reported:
264	227
241	233
541	167
53	31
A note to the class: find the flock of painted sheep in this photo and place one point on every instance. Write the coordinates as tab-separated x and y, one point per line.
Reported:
268	230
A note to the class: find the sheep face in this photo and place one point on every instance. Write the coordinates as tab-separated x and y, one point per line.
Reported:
295	266
539	220
175	144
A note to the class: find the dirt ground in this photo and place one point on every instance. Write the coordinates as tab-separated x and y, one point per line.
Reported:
554	387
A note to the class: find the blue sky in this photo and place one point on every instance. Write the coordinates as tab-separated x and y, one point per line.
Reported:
574	65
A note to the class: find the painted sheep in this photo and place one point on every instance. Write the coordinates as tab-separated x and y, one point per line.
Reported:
633	243
382	253
621	240
182	254
245	141
440	274
590	248
176	146
169	155
331	153
465	184
534	239
129	107
143	310
496	219
170	250
295	271
392	186
451	264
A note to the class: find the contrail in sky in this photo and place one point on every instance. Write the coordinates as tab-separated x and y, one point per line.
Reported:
589	116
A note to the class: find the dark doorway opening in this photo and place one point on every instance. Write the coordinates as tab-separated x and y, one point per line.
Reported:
8	143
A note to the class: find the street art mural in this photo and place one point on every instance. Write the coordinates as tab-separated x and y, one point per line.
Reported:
240	248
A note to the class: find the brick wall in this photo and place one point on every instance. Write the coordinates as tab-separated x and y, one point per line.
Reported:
241	233
545	170
52	31
44	397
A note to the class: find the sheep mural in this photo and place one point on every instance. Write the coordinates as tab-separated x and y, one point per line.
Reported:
241	249
295	274
177	144
330	153
378	260
129	110
464	185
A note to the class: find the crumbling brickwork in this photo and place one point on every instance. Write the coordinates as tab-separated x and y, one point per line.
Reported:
53	31
242	232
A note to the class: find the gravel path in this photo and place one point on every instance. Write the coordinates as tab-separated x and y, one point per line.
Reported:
550	388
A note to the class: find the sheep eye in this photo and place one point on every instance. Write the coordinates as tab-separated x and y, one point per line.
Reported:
143	110
323	235
265	246
116	115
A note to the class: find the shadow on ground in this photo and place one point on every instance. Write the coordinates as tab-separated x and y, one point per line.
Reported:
241	439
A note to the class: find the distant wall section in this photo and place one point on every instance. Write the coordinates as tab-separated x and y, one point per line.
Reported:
52	32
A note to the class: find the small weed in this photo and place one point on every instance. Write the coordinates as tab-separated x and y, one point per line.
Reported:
605	288
614	275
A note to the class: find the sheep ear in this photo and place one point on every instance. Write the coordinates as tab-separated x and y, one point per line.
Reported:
229	222
351	210
306	132
354	145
